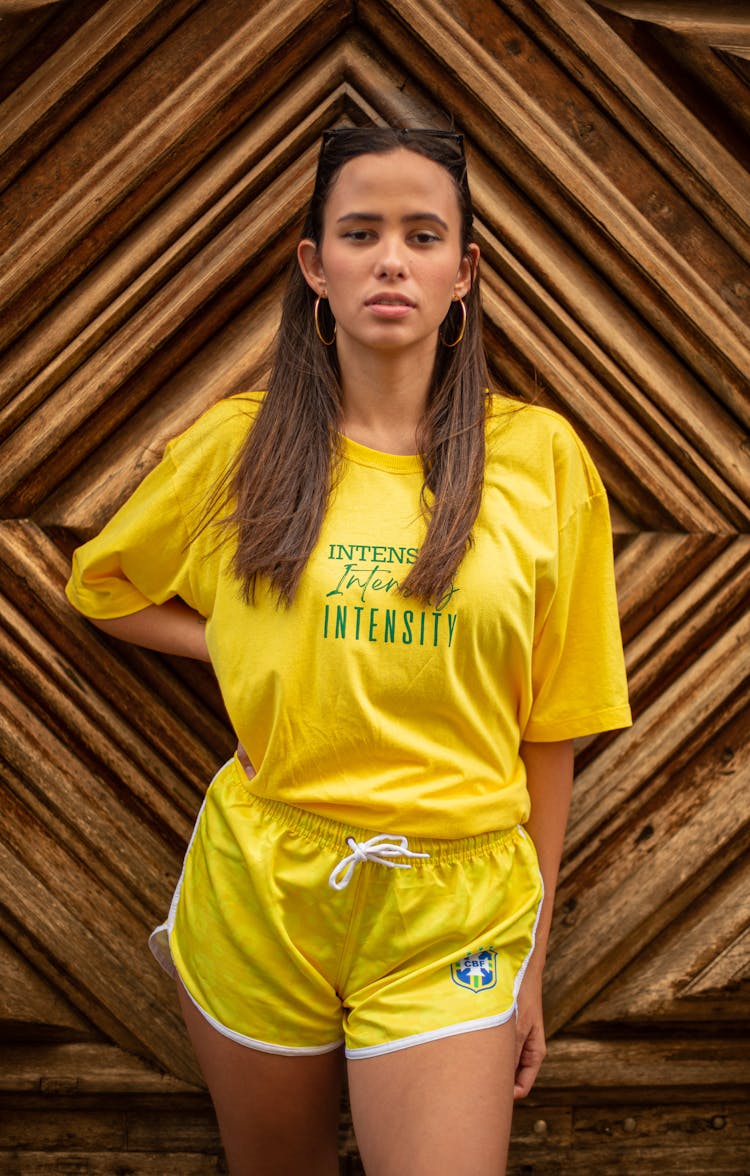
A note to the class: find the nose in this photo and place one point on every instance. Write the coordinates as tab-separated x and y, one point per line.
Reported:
391	261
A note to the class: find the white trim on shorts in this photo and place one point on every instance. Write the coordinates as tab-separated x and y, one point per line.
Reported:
373	1051
158	940
263	1046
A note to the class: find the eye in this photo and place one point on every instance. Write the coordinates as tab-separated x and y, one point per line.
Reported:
425	237
358	235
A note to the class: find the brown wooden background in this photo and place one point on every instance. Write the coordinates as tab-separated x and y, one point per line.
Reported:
154	160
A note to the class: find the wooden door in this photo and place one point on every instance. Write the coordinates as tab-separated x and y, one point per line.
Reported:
154	160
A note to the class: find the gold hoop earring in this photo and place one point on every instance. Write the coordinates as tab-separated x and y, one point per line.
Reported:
456	342
325	342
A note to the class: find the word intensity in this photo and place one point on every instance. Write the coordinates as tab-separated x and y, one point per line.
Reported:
367	603
389	625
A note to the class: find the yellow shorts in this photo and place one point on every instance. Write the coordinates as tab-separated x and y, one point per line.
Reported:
292	939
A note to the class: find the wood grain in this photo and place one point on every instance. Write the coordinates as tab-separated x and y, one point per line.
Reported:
155	161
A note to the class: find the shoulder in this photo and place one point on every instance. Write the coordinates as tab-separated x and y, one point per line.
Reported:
541	443
199	463
218	434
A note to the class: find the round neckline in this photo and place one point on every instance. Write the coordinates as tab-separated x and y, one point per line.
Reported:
394	463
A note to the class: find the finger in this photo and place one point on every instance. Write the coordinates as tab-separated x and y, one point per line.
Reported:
525	1078
529	1062
522	1037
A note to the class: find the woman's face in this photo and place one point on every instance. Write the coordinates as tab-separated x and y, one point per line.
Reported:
390	260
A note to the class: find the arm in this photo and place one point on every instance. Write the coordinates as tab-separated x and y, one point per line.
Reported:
170	628
549	770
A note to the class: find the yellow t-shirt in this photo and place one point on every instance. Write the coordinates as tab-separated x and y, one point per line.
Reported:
362	704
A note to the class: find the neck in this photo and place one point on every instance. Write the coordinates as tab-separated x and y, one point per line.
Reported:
384	396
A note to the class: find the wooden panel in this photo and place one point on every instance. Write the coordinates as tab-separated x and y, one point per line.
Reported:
155	160
30	1006
723	26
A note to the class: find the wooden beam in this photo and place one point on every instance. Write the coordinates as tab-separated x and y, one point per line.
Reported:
79	935
24	477
675	501
720	24
656	988
29	1003
235	359
66	71
644	105
652	855
84	1068
642	1062
178	742
583	311
533	115
116	172
165	240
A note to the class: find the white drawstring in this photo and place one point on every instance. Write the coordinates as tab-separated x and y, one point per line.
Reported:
378	849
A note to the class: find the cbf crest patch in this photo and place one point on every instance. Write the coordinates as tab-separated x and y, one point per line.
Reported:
476	971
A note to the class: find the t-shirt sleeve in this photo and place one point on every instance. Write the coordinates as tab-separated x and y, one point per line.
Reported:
142	555
578	672
159	544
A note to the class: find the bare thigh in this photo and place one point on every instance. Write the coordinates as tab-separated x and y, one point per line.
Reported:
277	1115
439	1109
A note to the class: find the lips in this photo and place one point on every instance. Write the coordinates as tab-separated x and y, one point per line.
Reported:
389	300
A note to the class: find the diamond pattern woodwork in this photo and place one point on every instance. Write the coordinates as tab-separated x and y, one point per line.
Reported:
154	162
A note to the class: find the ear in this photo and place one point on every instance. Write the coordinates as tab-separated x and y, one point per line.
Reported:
467	272
311	265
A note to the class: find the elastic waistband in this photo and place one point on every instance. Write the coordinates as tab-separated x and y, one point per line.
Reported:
330	834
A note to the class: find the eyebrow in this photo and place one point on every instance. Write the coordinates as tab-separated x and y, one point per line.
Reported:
412	216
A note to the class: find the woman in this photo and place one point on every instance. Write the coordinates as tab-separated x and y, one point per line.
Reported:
404	584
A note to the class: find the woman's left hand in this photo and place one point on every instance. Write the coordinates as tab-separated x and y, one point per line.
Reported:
530	1043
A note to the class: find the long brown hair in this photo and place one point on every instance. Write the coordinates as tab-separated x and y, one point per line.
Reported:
284	474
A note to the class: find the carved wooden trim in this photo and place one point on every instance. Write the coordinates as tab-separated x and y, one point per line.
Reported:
723	26
11	7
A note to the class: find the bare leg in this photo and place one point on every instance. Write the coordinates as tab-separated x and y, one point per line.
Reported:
277	1114
439	1109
